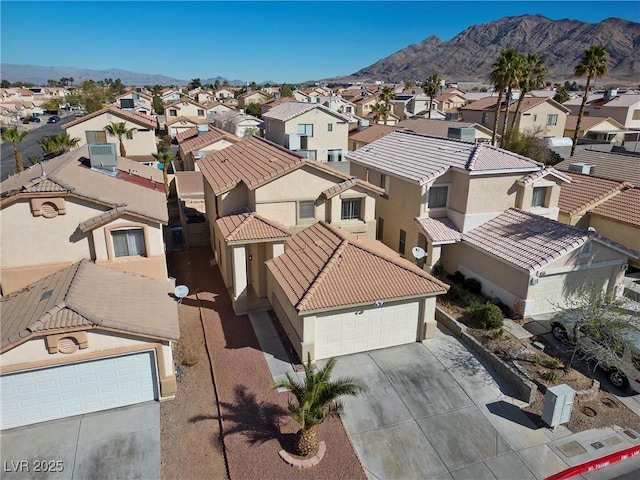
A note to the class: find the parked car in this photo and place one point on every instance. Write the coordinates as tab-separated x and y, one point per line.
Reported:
53	119
31	119
617	352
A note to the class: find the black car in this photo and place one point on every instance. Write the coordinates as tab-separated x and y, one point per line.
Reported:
31	119
53	119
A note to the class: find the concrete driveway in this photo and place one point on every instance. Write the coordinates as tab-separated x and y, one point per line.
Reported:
118	443
435	411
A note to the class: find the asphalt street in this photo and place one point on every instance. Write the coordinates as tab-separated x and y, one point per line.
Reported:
29	146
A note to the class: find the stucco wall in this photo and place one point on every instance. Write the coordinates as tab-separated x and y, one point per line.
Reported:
290	320
625	234
142	143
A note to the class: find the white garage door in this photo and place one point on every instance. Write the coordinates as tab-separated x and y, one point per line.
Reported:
74	389
386	326
552	293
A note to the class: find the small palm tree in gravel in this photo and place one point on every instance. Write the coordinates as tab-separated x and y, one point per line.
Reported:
317	399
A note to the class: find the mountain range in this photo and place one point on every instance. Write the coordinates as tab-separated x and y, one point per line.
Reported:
467	57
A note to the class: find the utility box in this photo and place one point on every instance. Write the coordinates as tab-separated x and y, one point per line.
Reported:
558	404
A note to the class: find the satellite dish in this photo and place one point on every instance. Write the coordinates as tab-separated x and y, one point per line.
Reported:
418	252
181	291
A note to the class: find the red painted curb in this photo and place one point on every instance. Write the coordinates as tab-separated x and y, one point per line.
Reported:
596	464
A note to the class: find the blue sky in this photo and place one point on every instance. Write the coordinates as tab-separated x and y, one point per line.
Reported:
255	41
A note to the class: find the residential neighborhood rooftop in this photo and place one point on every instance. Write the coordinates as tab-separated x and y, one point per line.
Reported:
288	110
585	191
624	167
242	227
143	120
623	207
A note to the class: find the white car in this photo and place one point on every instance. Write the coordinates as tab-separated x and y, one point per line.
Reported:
617	353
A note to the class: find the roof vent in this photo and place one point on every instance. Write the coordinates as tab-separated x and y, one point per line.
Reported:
203	128
102	157
581	167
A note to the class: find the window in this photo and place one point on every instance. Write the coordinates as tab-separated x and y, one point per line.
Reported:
96	136
307	210
127	243
636	115
384	183
380	229
438	197
200	112
403	242
310	154
552	119
485	118
348	110
351	208
334	155
535	117
173	112
539	196
329	127
305	129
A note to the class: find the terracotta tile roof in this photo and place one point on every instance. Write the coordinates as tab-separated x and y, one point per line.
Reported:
421	158
207	138
85	294
439	230
101	219
438	128
177	103
255	161
589	123
525	240
246	95
372	133
138	118
288	110
532	177
192	120
585	191
138	187
250	227
615	166
182	136
324	267
625	100
623	207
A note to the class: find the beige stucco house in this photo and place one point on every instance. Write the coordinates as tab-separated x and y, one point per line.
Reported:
190	109
82	205
360	137
310	129
197	142
238	123
622	107
605	129
84	339
90	128
258	193
543	115
179	125
256	96
389	301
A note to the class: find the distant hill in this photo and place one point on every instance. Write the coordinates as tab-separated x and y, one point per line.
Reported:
40	75
468	57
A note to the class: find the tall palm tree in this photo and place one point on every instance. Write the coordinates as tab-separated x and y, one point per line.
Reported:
514	63
164	158
431	87
12	135
380	111
317	399
532	76
386	96
119	129
594	64
501	78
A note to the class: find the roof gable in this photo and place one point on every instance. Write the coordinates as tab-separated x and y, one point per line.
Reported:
586	191
250	227
137	118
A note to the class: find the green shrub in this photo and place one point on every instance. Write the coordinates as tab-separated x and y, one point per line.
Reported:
489	315
437	270
473	285
551	376
552	362
455	293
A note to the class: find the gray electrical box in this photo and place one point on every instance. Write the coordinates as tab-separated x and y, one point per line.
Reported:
558	403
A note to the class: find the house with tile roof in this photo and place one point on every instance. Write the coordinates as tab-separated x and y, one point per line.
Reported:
360	137
258	193
336	293
536	114
536	265
140	147
624	107
255	96
611	207
237	122
83	339
447	128
451	99
178	125
614	165
223	94
194	111
196	142
72	207
309	129
604	129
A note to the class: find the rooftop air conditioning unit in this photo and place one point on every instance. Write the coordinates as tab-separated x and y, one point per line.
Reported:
203	128
103	158
581	167
465	134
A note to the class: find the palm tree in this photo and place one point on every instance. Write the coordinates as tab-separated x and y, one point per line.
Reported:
514	63
12	135
164	158
594	64
49	147
317	399
119	129
386	96
380	111
502	77
66	142
431	87
532	76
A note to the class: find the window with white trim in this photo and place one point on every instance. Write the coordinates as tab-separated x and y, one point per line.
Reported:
539	196
128	242
305	129
351	208
552	119
438	196
334	155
